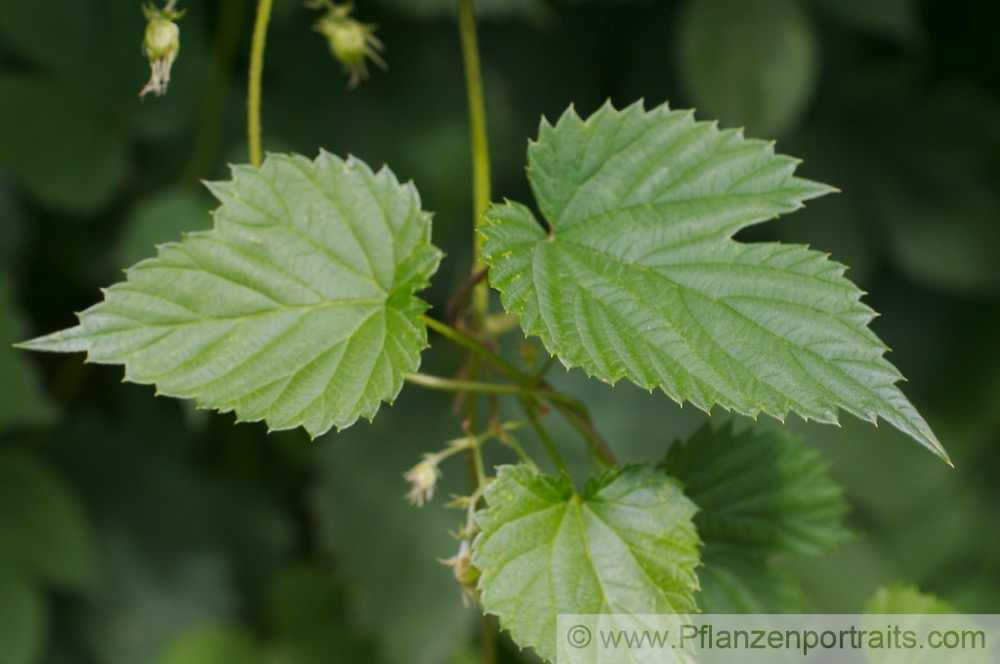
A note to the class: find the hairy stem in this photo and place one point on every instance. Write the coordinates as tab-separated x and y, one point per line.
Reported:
569	407
477	348
256	69
469	386
580	420
531	412
480	146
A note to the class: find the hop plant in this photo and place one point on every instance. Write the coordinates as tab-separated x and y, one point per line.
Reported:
350	41
161	43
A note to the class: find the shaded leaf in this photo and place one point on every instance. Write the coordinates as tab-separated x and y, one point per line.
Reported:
748	61
83	169
56	41
893	18
308	612
45	531
639	276
22	401
213	644
297	308
195	590
905	599
163	218
625	545
23	618
734	582
386	550
759	492
927	616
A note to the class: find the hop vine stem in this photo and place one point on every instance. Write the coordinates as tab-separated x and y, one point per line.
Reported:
480	147
256	69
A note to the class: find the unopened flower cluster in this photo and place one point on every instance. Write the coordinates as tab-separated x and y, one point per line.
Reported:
160	45
350	41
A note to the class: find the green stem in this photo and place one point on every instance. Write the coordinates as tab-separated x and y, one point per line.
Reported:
599	449
469	386
480	146
572	409
513	443
256	69
490	629
476	347
531	411
212	120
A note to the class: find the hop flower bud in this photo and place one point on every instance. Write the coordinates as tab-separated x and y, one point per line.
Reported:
350	42
160	45
466	575
423	478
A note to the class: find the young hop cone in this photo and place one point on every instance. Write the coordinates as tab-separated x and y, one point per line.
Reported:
350	41
160	45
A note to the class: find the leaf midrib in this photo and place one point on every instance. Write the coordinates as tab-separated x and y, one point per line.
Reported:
306	308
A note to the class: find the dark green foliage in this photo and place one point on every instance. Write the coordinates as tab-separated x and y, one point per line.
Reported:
136	530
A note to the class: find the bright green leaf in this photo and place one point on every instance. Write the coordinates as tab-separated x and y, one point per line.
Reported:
639	276
905	600
298	308
23	617
748	61
45	531
627	544
762	492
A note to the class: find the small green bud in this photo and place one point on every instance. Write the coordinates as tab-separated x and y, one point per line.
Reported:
350	41
160	45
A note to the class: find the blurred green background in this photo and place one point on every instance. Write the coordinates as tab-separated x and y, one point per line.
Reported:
137	530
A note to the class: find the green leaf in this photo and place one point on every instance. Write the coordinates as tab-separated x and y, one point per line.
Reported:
625	545
639	275
307	610
213	644
905	600
893	18
925	615
761	492
81	170
735	582
23	617
45	532
749	61
298	308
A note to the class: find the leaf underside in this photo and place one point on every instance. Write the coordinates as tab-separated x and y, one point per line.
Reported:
297	308
627	544
638	275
